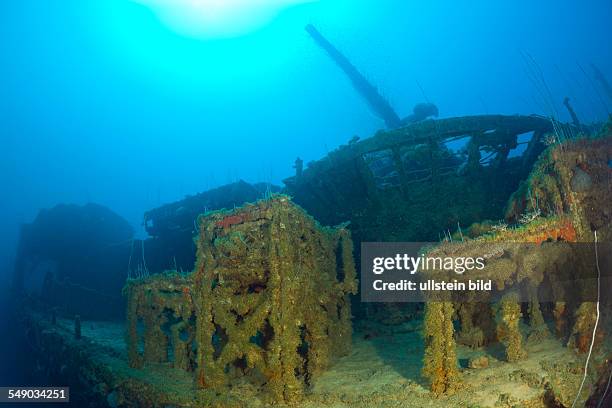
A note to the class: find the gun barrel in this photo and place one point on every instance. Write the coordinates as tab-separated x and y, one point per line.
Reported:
379	105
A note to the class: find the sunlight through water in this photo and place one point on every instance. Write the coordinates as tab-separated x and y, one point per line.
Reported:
217	18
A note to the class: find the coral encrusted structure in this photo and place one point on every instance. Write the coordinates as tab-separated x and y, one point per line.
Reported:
271	297
160	320
440	361
267	302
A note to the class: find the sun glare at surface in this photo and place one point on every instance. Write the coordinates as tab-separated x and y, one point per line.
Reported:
217	18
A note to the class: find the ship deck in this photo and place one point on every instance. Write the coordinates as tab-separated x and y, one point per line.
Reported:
382	370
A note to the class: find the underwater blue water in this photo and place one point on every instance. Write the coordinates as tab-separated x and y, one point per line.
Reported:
135	103
105	101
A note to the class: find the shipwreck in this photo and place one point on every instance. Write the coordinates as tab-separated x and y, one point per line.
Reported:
259	305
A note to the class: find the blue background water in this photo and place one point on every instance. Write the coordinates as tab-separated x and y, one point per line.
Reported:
102	101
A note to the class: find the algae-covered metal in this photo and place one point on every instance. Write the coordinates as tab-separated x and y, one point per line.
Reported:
267	302
271	297
410	183
160	320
